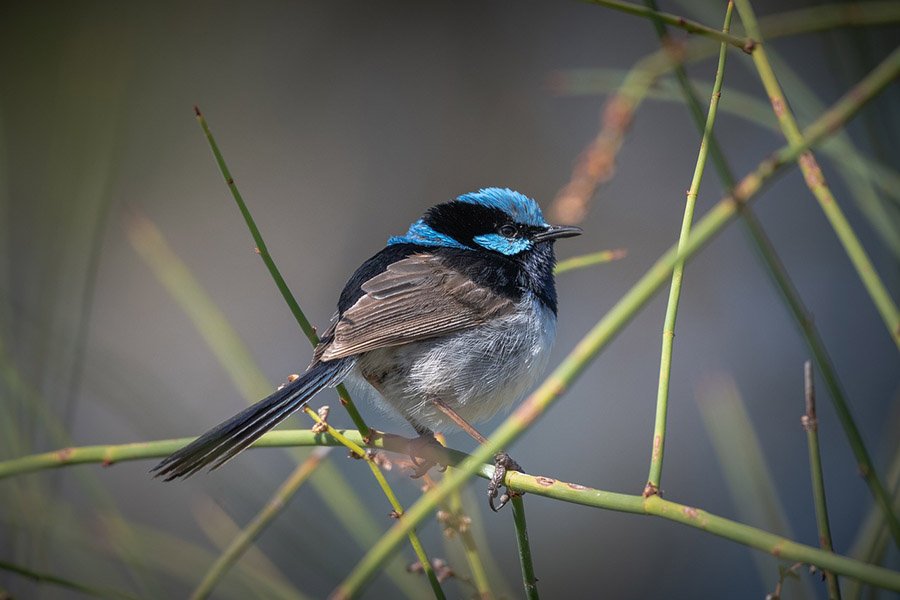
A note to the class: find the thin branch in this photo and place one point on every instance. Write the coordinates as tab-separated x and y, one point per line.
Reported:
744	43
263	250
811	426
668	337
589	260
525	561
620	315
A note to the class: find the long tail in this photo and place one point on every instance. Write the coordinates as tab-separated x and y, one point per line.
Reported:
223	442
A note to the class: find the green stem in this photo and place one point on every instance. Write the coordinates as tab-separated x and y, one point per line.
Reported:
811	426
463	527
815	180
257	525
537	485
589	260
611	324
668	336
263	250
528	578
361	454
62	582
744	43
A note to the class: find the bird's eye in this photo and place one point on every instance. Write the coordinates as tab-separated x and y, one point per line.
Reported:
508	230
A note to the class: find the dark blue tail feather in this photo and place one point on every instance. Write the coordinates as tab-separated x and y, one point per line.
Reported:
226	440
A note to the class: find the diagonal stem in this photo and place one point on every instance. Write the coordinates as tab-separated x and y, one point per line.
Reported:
257	525
263	250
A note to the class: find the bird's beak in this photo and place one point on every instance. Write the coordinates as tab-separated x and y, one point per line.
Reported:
554	232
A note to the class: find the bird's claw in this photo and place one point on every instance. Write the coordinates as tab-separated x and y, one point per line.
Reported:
418	447
502	463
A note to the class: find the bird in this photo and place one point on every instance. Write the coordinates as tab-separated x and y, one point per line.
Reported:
458	314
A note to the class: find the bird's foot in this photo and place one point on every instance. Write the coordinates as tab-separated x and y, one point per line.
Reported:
502	463
421	450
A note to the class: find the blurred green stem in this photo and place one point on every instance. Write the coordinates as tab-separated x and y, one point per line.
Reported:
63	582
668	337
811	426
255	527
588	260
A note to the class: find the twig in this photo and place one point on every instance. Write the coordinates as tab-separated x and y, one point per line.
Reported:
811	426
255	527
668	336
525	560
263	250
588	260
611	324
744	43
457	522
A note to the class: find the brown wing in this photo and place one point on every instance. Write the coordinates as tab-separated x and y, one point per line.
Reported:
413	299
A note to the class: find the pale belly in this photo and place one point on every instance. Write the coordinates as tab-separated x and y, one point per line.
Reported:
477	372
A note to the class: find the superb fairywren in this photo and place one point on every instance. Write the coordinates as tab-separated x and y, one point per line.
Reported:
457	315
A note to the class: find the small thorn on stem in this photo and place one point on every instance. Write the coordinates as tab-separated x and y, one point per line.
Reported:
651	489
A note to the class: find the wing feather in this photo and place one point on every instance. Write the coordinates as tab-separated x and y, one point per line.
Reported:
413	299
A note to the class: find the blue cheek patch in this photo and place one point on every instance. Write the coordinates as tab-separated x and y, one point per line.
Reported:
503	245
422	234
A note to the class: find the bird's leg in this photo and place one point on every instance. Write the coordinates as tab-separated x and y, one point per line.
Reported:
418	448
502	461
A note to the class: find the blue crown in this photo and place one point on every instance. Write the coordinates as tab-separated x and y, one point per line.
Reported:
519	206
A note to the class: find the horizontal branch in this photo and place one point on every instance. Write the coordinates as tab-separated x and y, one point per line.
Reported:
533	484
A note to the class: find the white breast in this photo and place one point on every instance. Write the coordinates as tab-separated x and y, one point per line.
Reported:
477	372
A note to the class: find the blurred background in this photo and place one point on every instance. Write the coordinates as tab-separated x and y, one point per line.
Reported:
128	281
